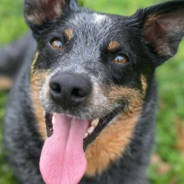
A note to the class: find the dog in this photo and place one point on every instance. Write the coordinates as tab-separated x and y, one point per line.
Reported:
83	111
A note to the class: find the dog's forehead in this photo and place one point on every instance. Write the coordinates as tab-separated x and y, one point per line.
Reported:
93	18
93	24
99	18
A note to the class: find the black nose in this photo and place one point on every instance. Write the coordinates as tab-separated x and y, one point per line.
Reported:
68	90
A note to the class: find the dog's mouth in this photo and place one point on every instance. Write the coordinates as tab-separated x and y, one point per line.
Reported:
63	157
94	126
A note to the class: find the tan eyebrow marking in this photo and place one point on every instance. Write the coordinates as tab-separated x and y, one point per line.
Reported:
113	46
68	33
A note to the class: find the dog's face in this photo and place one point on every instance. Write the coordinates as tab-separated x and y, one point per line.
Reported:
95	54
98	67
94	51
97	57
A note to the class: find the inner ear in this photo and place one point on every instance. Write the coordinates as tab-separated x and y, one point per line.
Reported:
163	33
37	12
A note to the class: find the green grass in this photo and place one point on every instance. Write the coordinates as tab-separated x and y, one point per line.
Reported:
170	79
11	20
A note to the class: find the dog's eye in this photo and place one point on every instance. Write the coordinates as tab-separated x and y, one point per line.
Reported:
120	59
57	44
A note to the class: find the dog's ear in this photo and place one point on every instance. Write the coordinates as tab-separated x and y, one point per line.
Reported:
162	28
42	13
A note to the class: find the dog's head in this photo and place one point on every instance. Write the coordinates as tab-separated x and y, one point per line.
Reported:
92	73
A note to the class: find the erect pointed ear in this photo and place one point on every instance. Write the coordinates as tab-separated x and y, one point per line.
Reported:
41	13
162	28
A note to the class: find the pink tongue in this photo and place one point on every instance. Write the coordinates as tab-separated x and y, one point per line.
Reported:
62	159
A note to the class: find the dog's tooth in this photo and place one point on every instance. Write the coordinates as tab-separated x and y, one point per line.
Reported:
86	135
91	129
53	120
95	122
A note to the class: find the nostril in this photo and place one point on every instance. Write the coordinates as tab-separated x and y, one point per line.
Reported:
55	87
79	93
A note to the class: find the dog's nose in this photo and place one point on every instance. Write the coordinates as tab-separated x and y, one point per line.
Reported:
68	90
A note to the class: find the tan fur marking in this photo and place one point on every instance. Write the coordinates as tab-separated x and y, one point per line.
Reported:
34	61
113	46
69	33
132	97
150	20
113	140
144	83
111	143
35	83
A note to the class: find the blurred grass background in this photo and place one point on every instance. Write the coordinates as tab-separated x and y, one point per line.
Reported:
168	162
